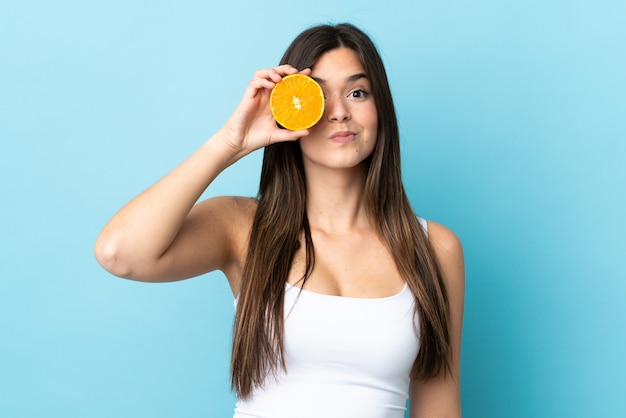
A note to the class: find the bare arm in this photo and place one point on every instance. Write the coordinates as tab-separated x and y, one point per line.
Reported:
441	397
162	234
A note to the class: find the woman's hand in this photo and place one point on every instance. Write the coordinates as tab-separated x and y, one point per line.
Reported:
252	126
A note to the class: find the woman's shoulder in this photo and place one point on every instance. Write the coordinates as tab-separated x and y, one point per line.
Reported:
229	218
449	251
238	208
245	205
443	237
224	222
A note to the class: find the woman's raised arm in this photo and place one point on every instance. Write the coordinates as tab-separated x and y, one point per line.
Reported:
162	234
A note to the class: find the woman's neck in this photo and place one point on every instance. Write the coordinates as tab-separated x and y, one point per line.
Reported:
335	200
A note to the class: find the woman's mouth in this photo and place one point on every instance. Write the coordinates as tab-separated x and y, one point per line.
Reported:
342	137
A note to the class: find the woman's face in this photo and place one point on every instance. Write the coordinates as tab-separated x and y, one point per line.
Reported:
346	134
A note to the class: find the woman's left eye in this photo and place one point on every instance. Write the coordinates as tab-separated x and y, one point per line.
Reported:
359	94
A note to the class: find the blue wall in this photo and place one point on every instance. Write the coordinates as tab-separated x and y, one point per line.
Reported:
513	119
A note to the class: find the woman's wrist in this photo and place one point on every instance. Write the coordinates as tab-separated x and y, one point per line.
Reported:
223	148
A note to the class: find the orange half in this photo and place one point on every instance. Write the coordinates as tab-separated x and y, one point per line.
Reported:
297	102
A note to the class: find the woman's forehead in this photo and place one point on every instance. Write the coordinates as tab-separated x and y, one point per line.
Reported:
338	65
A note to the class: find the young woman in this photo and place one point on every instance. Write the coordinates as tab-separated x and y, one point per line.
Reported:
347	303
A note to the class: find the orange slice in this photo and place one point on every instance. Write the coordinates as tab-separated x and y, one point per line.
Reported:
297	102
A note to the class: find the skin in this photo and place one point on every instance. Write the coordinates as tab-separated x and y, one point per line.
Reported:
163	234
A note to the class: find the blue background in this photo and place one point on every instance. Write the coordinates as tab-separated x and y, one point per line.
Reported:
513	121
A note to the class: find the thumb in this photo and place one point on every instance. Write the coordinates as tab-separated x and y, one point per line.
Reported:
284	135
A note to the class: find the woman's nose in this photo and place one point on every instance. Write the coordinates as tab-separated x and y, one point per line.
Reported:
337	109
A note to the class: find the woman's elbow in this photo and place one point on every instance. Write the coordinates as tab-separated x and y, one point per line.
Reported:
107	250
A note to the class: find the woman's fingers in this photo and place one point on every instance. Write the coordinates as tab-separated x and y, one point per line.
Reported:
258	84
268	77
275	74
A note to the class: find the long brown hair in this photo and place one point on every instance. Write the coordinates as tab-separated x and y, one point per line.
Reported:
281	219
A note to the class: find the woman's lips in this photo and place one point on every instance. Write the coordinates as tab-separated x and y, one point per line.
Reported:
342	137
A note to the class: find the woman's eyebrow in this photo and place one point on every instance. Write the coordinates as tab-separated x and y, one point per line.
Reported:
350	79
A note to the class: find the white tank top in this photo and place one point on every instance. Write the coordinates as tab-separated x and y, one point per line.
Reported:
345	357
